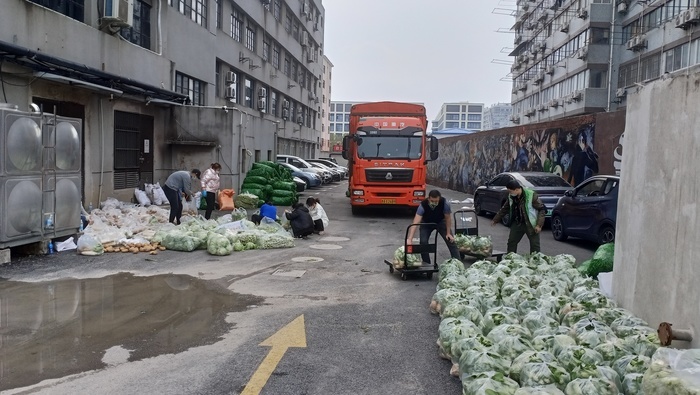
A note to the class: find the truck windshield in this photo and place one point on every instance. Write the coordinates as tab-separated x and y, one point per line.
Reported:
394	147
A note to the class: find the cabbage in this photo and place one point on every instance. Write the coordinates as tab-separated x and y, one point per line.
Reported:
275	240
250	245
641	344
543	373
498	316
572	357
590	386
475	361
461	308
590	333
631	364
412	260
452	281
540	390
238	246
560	343
443	298
488	383
512	346
528	357
609	315
611	350
219	245
537	319
449	267
180	241
673	372
453	329
502	331
601	372
475	343
632	384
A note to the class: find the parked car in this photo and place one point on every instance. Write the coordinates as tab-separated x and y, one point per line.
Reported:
336	175
301	184
588	211
302	165
311	179
492	196
332	165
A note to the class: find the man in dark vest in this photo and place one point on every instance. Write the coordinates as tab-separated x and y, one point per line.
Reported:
435	210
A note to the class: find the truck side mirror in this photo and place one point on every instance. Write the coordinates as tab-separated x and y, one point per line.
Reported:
434	148
345	147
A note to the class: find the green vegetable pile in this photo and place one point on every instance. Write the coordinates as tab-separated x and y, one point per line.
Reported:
412	260
672	372
247	200
480	246
218	245
539	324
270	181
602	261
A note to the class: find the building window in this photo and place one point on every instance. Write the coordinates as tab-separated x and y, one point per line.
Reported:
140	32
331	128
191	87
288	22
71	8
473	125
599	79
452	108
348	107
346	127
277	9
287	65
249	89
451	125
236	25
295	30
219	14
273	103
195	9
474	117
476	109
333	107
250	38
295	75
452	117
276	57
266	49
677	58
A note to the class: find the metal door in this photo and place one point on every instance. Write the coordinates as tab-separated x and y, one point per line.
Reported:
133	150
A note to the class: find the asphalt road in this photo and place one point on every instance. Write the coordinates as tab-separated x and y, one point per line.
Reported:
169	323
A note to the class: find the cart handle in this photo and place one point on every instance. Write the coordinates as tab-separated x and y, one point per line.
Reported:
419	248
476	222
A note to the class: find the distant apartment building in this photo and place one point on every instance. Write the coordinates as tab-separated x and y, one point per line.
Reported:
462	115
339	118
326	105
497	116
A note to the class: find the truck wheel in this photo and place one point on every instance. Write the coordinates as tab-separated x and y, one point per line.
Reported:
356	210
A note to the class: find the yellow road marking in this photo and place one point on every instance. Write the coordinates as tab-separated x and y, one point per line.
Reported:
292	335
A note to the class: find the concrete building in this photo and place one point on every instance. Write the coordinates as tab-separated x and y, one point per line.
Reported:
164	85
339	118
497	116
657	38
326	105
461	115
562	59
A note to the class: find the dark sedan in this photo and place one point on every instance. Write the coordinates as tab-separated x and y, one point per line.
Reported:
492	196
588	211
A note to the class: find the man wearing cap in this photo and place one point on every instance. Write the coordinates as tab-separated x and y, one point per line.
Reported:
179	182
526	216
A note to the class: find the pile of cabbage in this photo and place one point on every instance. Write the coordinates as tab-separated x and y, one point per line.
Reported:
537	326
480	246
223	238
673	372
401	259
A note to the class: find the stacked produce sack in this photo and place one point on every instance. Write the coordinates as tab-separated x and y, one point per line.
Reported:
537	326
271	181
124	227
602	261
673	372
480	246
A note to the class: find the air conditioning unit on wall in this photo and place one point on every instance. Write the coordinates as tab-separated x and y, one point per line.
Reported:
118	13
230	93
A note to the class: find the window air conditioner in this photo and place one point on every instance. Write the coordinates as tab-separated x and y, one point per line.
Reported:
285	113
621	92
305	39
231	77
262	104
550	70
300	119
262	92
230	93
622	8
118	13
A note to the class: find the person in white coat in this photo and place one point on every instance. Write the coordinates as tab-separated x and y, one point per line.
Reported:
318	214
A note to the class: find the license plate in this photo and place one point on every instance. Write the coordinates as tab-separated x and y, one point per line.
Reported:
549	212
388	201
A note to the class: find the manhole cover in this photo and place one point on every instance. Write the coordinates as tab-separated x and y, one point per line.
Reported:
289	273
311	259
326	247
333	239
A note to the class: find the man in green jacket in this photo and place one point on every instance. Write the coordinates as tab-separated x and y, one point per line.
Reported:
526	216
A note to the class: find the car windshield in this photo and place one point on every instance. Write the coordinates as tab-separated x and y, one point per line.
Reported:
374	147
546	181
291	167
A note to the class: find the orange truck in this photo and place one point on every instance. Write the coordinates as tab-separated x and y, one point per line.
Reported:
388	149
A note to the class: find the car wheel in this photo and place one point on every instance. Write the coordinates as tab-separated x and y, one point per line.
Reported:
606	234
558	229
506	218
477	205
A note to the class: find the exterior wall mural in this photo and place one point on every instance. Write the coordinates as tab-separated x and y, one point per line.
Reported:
565	147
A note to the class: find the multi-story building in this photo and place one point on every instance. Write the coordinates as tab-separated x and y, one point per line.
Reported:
164	85
658	37
562	58
497	116
461	115
339	118
326	105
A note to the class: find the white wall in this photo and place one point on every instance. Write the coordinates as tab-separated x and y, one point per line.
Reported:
657	254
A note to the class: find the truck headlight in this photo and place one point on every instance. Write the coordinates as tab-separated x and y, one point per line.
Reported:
358	192
418	193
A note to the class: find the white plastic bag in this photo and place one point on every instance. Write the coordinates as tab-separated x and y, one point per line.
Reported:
141	197
149	191
89	245
66	245
159	194
189	207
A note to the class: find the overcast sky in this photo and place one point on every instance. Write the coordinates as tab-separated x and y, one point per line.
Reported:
429	51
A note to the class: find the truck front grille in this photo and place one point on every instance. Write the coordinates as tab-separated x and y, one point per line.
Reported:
389	175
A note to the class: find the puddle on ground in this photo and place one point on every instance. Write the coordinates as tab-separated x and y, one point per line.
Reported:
58	328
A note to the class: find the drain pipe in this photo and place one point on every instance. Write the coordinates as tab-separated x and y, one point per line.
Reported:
102	149
667	334
613	21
